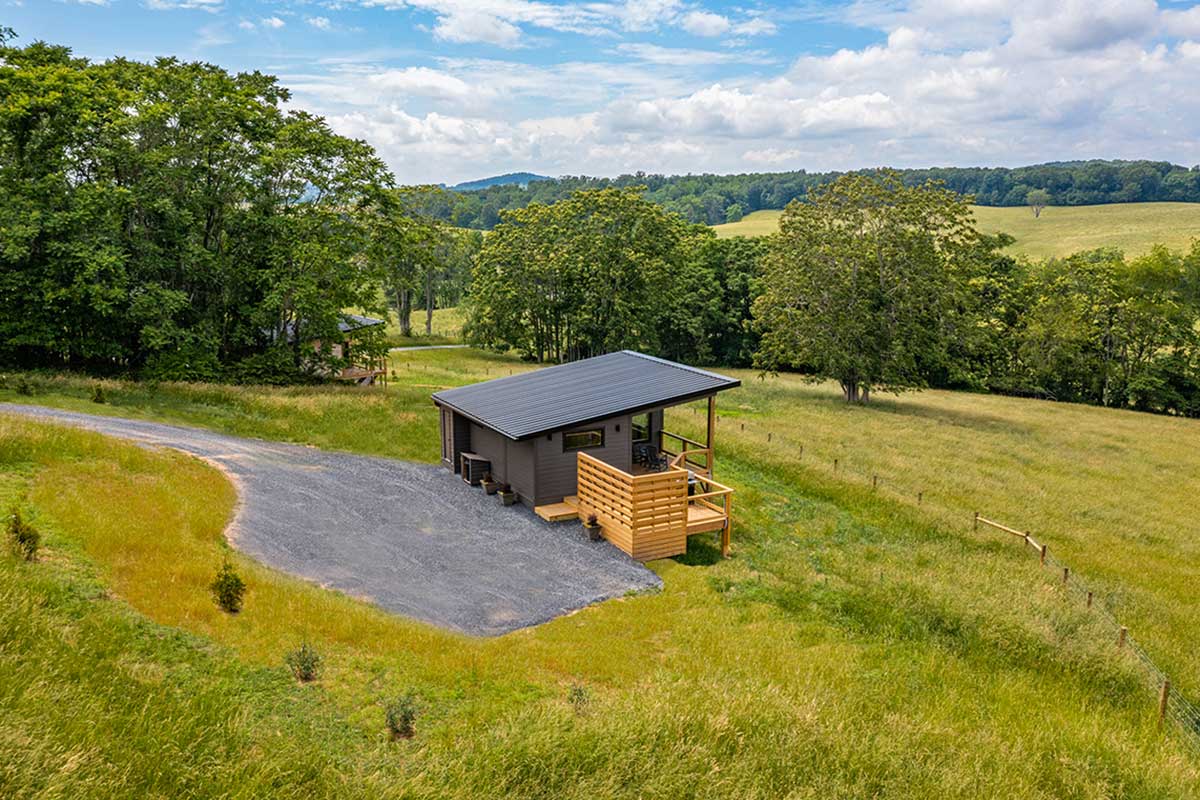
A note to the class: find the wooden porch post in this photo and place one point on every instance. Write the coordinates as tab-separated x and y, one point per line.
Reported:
712	419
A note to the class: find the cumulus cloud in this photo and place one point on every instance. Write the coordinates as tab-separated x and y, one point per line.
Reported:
212	6
274	23
320	23
946	82
704	23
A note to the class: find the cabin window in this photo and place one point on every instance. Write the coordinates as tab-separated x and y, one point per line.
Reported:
641	428
582	440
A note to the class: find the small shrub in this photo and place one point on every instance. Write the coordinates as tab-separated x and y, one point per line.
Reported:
400	717
98	394
24	387
579	697
304	662
228	588
23	538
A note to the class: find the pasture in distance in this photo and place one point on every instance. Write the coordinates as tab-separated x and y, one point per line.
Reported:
1059	231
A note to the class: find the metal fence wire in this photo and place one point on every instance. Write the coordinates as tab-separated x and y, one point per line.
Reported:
1173	705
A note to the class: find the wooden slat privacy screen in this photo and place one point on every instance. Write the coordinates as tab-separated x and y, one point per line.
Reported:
644	515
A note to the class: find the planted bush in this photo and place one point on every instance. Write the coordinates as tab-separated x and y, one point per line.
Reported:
98	394
400	717
23	538
579	697
304	662
228	588
24	387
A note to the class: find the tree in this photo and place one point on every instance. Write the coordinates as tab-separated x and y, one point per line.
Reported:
599	271
171	219
860	283
1037	199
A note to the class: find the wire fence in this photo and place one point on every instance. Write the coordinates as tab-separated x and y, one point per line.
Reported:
1172	705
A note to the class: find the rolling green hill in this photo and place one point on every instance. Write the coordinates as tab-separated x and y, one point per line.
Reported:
859	643
1060	230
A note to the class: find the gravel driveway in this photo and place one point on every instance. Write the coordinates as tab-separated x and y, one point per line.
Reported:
411	538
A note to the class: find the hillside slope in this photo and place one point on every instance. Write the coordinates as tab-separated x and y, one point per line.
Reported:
859	644
1060	230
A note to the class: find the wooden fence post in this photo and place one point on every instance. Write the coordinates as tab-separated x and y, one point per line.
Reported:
1066	574
1089	600
768	436
976	521
1044	548
1163	697
920	495
1121	634
801	452
874	481
835	465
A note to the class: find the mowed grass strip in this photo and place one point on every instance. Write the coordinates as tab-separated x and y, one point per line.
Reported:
855	646
1060	230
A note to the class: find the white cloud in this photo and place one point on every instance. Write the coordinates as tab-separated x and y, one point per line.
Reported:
422	82
952	82
246	25
704	23
320	23
756	26
212	6
273	22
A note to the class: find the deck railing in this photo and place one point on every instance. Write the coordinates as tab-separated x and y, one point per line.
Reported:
644	515
695	455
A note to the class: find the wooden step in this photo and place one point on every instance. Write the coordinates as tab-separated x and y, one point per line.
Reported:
572	500
557	512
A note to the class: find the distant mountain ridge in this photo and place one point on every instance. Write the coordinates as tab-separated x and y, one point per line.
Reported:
521	179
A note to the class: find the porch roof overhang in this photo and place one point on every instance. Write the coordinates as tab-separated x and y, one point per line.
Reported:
580	392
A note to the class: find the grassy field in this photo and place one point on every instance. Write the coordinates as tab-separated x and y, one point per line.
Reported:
857	645
1059	231
446	329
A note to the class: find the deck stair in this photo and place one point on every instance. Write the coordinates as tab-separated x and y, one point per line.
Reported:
557	512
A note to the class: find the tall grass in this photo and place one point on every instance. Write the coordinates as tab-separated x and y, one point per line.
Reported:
856	645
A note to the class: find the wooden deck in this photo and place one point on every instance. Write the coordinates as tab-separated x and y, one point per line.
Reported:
702	519
651	515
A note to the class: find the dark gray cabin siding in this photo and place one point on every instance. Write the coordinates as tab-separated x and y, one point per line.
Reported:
511	462
556	469
522	470
491	445
461	437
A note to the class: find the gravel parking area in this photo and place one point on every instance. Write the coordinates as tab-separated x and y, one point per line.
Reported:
411	538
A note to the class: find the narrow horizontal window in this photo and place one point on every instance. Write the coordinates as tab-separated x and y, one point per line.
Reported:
582	440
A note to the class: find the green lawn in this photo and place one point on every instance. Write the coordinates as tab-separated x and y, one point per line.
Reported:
857	645
1059	231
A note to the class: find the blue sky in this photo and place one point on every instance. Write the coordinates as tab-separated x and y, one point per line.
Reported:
448	90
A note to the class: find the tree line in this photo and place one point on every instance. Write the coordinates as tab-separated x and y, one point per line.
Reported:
871	282
173	220
714	199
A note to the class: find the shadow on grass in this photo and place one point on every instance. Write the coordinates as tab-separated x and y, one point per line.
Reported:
702	551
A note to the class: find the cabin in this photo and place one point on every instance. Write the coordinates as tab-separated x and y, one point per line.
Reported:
587	438
361	369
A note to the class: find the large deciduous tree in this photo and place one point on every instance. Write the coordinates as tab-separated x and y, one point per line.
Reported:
860	283
172	219
599	271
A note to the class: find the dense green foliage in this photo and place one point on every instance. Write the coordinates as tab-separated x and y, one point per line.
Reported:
1094	327
173	220
862	284
609	269
878	285
713	199
23	538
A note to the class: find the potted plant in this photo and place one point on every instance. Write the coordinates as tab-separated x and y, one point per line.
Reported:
507	495
490	484
592	526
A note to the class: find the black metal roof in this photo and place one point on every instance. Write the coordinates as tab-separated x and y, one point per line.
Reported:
580	392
